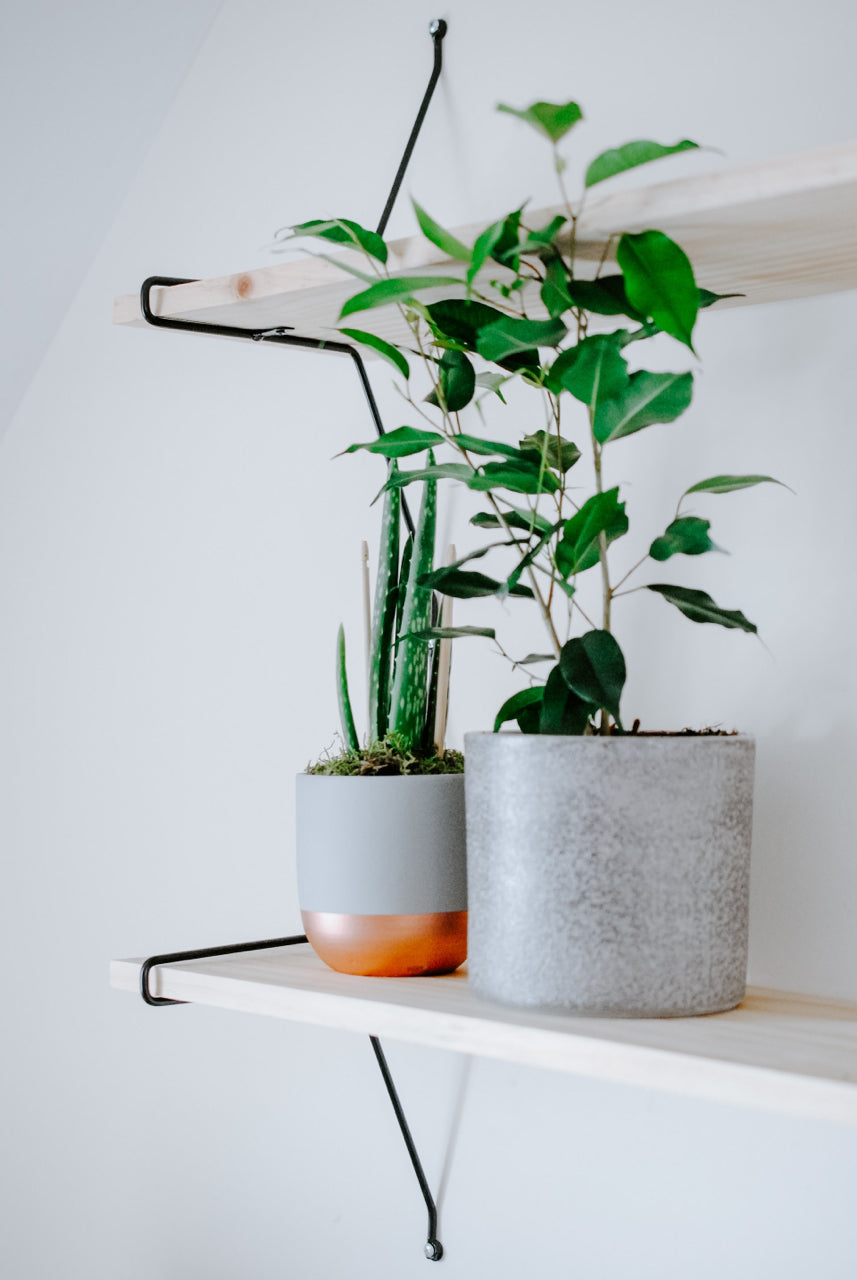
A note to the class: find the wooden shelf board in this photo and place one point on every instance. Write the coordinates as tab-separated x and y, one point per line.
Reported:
778	1052
785	228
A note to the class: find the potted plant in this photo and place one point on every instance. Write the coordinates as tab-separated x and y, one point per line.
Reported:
380	828
608	866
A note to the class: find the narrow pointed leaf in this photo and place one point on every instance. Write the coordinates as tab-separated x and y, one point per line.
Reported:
519	477
551	119
384	614
498	242
396	289
629	156
384	349
438	471
410	694
344	231
474	444
659	282
439	236
400	443
593	667
464	584
729	484
453	633
699	607
346	717
513	707
515	519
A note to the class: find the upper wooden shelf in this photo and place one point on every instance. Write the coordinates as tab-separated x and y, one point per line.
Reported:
785	228
779	1052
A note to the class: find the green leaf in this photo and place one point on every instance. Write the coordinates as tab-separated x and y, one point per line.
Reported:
499	242
559	453
519	477
530	521
593	371
394	290
460	320
409	700
400	443
492	382
604	297
630	156
437	235
688	535
551	119
580	546
382	647
699	607
385	349
346	716
555	291
526	560
464	584
539	241
728	484
533	658
593	667
562	711
474	444
457	381
648	398
344	231
513	707
452	633
659	282
438	471
708	299
511	336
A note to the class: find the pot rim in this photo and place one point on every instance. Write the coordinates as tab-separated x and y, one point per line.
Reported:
385	777
612	739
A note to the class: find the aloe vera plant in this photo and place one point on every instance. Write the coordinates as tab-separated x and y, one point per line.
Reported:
404	654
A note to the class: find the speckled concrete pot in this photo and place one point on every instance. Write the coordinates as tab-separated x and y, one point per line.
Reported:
382	874
609	876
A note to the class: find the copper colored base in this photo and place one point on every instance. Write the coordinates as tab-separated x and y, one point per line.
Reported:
389	946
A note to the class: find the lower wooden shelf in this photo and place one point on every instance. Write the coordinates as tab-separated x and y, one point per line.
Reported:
777	1052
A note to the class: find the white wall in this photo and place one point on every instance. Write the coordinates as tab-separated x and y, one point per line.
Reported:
176	550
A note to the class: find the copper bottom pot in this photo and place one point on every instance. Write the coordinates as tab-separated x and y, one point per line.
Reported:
382	874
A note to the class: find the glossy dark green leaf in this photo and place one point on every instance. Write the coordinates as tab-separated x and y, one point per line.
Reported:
729	484
604	297
514	519
555	292
699	607
580	546
513	707
629	156
551	119
344	231
562	710
511	336
439	471
647	399
396	289
485	448
593	667
465	584
688	536
453	633
519	477
444	240
559	453
400	443
659	282
385	349
593	371
460	319
499	242
457	381
528	559
532	658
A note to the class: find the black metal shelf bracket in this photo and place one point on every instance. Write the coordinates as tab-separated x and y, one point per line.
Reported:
285	336
433	1247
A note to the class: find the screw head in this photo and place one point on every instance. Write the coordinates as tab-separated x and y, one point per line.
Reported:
437	27
433	1250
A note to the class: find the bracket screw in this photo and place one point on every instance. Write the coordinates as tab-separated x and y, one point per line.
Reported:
437	27
433	1250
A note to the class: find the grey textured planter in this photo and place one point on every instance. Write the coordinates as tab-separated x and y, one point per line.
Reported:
382	879
609	876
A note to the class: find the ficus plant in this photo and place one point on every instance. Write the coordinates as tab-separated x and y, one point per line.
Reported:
521	310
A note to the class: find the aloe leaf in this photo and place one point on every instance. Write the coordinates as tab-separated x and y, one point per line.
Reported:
346	716
384	613
409	698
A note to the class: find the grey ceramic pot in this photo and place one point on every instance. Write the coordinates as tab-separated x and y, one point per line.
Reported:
609	876
382	878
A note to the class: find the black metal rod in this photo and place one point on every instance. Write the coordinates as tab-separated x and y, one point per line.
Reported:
437	30
206	953
433	1248
278	334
